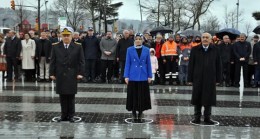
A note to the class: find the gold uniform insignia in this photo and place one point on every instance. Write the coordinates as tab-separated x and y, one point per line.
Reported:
78	43
55	43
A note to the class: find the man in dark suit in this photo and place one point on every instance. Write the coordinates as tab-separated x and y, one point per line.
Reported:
121	50
204	72
66	67
242	51
12	50
225	53
92	54
43	55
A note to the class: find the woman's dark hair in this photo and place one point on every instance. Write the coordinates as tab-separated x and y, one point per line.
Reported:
28	35
54	33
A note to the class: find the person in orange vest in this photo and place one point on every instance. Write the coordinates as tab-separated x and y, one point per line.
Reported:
196	42
170	58
177	39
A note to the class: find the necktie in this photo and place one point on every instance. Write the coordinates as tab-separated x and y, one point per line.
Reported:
66	46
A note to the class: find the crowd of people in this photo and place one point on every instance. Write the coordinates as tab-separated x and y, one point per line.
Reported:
28	55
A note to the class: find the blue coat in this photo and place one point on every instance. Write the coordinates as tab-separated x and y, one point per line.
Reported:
138	69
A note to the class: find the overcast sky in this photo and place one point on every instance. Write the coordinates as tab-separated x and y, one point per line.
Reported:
130	9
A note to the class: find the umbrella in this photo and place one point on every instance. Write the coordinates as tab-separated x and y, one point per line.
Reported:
191	33
120	32
231	32
161	29
257	30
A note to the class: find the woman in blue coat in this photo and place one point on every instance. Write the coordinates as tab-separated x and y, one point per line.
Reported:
138	75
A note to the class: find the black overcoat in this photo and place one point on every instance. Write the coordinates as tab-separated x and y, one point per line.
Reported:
65	65
204	71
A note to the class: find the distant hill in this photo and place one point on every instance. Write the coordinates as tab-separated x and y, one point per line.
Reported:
12	19
135	25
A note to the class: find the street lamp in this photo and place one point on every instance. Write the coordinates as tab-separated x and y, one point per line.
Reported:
237	12
46	18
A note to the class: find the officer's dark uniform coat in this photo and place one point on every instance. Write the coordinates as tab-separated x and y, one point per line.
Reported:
65	65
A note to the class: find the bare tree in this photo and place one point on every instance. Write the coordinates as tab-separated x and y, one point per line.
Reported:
21	14
211	24
226	18
91	6
198	8
248	28
70	9
177	14
231	17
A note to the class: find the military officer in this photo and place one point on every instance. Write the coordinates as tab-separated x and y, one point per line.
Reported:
66	67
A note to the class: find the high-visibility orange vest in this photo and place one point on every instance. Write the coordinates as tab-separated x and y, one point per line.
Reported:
193	44
169	49
187	46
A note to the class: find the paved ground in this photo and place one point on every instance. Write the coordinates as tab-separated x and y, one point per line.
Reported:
26	111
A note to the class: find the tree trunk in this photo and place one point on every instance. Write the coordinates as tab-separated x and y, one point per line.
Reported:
158	13
105	15
172	7
93	19
100	16
198	24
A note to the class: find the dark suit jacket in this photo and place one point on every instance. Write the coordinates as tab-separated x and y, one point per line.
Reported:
65	65
225	52
242	49
12	48
46	46
122	46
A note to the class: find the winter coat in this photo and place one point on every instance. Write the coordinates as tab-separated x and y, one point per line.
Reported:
242	49
66	65
110	46
27	54
154	61
138	69
204	71
12	48
225	52
184	51
43	46
91	47
122	46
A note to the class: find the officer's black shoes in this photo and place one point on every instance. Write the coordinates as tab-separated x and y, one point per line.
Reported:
72	120
208	121
62	119
196	120
254	86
